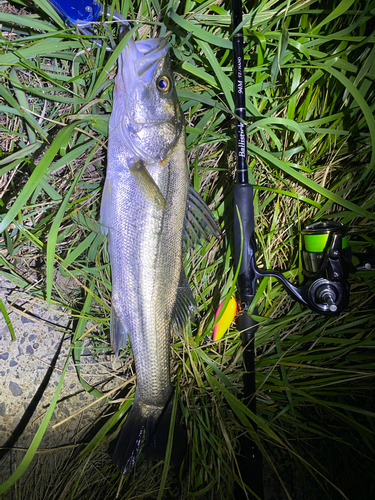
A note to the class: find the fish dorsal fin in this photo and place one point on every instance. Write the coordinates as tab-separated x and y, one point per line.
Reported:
118	333
185	307
199	223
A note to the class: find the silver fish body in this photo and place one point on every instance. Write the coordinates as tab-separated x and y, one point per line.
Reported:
144	211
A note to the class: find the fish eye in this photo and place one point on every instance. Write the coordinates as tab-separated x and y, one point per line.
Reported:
164	84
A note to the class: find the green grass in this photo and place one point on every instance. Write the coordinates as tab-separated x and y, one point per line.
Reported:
311	139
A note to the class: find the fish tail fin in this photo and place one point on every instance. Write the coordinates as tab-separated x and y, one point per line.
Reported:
130	440
157	435
149	425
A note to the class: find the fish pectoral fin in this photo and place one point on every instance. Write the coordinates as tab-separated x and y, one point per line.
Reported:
118	333
199	223
147	185
185	307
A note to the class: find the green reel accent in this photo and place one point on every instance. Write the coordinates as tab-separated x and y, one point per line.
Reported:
315	236
317	243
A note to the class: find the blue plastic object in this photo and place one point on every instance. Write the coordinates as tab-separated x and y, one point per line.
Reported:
78	12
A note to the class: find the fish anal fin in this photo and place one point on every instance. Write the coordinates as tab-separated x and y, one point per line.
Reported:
105	207
185	307
200	223
146	184
118	333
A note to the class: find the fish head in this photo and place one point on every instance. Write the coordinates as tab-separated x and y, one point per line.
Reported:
146	112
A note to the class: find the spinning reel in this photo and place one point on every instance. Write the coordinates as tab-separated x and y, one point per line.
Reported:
327	264
327	261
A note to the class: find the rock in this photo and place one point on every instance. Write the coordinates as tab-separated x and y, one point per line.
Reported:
15	389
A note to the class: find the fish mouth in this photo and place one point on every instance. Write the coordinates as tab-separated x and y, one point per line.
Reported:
142	57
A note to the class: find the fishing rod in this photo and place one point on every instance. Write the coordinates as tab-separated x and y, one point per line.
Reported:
249	458
327	263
